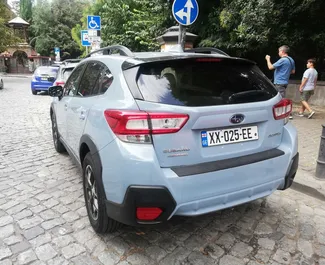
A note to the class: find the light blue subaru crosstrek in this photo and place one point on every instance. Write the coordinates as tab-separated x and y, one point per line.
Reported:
159	134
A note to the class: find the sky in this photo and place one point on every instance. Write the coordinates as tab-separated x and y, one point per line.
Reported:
10	2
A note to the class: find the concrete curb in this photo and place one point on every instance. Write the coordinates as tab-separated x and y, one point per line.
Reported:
308	191
16	76
306	183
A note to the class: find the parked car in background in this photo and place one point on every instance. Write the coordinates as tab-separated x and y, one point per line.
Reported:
173	133
56	64
65	70
43	78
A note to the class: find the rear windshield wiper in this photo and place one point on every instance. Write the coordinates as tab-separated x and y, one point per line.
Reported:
249	96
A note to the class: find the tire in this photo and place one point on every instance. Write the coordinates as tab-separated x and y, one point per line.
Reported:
95	196
59	147
34	92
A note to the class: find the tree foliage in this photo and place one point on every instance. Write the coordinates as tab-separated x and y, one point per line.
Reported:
256	27
244	28
7	36
52	26
25	10
133	23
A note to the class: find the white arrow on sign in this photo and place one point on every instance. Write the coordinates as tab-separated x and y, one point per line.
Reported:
181	13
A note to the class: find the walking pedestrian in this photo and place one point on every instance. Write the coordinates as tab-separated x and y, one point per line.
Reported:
284	67
307	88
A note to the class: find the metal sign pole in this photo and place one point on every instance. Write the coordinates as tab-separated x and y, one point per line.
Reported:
185	13
181	36
86	49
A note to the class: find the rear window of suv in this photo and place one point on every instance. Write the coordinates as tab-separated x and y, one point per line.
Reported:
203	82
66	72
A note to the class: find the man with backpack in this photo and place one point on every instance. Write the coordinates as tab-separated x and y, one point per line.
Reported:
284	67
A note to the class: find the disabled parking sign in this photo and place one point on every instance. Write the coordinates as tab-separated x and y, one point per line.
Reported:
93	22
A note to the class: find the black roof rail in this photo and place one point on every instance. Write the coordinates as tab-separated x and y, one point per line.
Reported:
109	49
208	50
71	61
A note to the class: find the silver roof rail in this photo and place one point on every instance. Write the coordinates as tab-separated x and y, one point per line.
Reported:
65	62
208	50
124	51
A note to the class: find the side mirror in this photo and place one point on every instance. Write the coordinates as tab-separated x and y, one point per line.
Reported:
56	91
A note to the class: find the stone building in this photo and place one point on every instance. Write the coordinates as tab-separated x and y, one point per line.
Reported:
20	58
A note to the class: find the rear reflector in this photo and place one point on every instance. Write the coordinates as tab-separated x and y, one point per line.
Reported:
283	109
138	126
59	83
148	214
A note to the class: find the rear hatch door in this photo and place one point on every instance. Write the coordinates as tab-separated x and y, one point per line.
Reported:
229	103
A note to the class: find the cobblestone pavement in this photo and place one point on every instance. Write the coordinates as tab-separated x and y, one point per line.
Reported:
43	218
309	138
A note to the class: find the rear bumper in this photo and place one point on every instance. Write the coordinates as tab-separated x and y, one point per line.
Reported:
158	196
40	86
142	196
192	193
292	170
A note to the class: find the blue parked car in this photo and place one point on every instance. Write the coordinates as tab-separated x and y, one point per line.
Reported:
172	133
43	78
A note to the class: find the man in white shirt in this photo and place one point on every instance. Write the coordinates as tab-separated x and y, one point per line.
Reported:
307	87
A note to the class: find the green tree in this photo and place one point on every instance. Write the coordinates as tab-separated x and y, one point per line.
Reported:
90	8
25	10
133	23
7	36
52	26
256	27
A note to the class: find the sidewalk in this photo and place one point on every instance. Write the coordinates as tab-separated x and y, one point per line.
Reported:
16	75
309	132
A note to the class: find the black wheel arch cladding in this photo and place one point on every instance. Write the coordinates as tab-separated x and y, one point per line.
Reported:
85	141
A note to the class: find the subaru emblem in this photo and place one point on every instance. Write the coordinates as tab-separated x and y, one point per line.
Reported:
237	118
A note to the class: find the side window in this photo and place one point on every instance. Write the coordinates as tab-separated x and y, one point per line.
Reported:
105	81
71	86
89	79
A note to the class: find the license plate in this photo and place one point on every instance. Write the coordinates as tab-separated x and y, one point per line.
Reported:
44	78
229	136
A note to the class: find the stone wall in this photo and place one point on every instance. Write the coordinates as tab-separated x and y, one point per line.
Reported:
318	98
21	47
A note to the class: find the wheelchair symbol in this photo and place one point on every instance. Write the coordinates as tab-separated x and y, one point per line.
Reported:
93	24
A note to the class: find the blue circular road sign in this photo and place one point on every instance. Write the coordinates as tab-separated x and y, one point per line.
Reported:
185	11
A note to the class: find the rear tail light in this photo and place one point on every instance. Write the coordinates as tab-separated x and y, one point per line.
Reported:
283	109
138	126
148	214
59	83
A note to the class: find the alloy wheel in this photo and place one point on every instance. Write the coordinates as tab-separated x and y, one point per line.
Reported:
91	193
54	131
